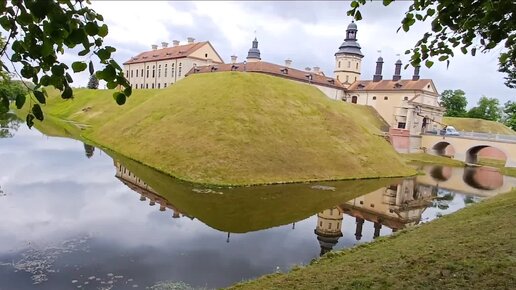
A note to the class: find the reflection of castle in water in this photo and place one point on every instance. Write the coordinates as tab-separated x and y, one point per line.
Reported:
396	206
146	192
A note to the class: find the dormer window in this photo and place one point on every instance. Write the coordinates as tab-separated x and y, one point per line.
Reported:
284	71
361	86
397	85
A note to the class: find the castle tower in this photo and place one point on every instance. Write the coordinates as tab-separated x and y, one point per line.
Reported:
348	59
328	229
254	53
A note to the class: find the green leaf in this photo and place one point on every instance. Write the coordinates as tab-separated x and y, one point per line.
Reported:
429	63
387	2
111	85
358	15
103	30
79	66
69	78
67	93
92	70
443	58
40	97
355	4
83	52
128	91
91	28
20	100
119	98
38	113
30	120
473	51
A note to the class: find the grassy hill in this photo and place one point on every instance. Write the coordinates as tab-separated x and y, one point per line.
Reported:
478	125
233	128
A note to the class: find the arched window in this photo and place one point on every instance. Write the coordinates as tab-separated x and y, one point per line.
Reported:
159	71
374	97
165	70
147	71
153	71
354	99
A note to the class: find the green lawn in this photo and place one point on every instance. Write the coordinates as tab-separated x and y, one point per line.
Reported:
474	248
233	128
478	125
431	159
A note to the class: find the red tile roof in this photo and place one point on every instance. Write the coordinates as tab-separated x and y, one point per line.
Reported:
166	53
389	85
272	69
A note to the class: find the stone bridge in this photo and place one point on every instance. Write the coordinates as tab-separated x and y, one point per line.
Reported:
467	146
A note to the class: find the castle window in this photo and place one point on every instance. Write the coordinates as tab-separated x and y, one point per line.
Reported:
206	55
159	71
357	65
153	71
339	64
147	71
146	86
153	85
165	71
372	205
361	202
320	224
374	97
159	85
179	70
354	99
347	79
405	98
401	125
349	64
127	72
355	79
136	73
172	72
131	73
164	85
142	72
331	211
329	226
385	98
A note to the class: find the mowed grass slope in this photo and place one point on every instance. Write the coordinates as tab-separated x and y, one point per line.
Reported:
474	248
233	128
478	125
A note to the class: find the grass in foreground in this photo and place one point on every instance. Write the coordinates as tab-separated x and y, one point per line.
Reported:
431	159
474	248
478	125
232	128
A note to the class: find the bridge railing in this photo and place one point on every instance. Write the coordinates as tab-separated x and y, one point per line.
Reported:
488	136
480	136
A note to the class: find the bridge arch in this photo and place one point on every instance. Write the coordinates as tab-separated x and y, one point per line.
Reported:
483	178
440	173
472	153
443	148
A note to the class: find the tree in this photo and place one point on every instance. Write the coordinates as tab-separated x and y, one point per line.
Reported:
487	109
40	30
455	103
9	123
13	90
93	83
470	25
509	118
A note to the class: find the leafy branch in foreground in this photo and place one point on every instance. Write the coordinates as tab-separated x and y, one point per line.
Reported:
39	30
471	25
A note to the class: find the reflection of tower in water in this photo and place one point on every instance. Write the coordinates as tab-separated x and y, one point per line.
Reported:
395	207
328	229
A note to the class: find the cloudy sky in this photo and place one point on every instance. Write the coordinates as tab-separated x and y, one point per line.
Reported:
309	33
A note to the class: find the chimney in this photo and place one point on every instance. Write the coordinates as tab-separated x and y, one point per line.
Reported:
316	69
154	46
397	71
175	43
415	77
164	44
233	59
378	74
308	69
190	40
288	62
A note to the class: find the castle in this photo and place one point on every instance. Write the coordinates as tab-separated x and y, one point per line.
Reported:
409	106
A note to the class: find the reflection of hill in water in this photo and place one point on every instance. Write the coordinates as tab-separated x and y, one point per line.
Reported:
243	209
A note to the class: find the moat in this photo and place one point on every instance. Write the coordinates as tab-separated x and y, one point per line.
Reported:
75	217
